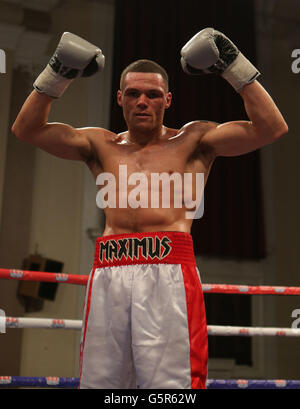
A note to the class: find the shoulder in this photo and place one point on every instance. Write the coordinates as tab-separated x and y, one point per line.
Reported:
192	132
97	136
97	139
91	132
198	128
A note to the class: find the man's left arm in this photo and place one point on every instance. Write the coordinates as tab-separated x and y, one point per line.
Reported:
265	125
211	52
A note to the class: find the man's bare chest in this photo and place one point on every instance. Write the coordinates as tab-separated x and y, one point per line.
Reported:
154	159
178	155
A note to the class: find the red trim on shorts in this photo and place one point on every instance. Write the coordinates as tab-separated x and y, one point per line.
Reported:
88	304
197	327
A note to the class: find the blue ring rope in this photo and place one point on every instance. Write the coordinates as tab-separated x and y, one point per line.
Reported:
72	383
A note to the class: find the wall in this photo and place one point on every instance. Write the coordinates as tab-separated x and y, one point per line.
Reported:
285	32
49	203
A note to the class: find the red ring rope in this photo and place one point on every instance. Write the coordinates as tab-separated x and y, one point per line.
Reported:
207	288
43	276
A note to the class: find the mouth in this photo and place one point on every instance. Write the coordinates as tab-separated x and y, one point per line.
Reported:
142	115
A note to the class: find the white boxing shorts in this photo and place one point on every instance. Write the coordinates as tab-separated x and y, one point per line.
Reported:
144	320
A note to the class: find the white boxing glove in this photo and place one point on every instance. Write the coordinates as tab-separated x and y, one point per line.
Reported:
210	51
74	57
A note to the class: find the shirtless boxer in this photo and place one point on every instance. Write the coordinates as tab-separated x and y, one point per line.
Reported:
144	317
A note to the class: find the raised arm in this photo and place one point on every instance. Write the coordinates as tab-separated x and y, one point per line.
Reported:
210	51
74	57
264	127
58	139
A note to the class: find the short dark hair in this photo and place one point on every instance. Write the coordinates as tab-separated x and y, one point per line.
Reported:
145	66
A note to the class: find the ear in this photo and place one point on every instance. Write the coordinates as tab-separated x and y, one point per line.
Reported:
119	98
168	99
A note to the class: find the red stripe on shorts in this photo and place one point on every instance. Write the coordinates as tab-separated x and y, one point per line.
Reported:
88	304
197	326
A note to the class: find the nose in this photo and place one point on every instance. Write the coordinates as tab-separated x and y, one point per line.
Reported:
142	101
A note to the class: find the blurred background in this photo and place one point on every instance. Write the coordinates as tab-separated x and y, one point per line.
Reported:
249	233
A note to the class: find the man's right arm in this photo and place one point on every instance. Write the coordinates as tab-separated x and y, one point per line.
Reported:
74	57
59	139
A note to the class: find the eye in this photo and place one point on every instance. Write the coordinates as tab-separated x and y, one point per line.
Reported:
132	93
153	94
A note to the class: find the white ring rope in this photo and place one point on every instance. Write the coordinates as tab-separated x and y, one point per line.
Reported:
252	331
218	330
47	323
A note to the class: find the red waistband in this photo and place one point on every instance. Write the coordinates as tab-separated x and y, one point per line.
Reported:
144	248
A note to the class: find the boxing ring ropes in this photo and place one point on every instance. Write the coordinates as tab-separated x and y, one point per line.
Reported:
60	382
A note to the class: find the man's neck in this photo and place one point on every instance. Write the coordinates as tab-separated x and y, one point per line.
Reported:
146	138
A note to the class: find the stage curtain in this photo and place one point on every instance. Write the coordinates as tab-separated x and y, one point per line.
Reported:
232	225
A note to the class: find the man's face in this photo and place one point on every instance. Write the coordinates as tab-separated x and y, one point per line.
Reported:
144	98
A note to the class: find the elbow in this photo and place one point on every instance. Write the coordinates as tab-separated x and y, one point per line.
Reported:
16	131
278	132
272	135
19	132
281	131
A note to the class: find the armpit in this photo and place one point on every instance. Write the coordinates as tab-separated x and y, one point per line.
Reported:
204	149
